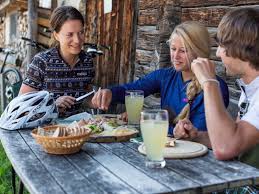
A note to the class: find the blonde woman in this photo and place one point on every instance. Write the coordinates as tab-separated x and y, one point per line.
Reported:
180	91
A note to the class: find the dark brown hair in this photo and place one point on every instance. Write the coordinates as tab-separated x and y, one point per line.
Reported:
59	16
238	33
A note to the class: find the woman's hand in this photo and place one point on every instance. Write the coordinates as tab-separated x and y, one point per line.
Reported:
64	102
184	129
124	116
102	99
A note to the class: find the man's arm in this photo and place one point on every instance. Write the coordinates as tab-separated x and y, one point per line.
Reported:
228	138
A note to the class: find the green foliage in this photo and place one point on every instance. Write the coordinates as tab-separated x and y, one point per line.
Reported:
5	174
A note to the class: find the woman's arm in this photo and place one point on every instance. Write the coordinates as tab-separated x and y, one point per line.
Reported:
25	89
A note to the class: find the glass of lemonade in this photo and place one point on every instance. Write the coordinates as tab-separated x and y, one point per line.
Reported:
134	100
154	127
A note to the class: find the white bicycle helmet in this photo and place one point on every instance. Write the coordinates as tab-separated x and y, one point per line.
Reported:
29	110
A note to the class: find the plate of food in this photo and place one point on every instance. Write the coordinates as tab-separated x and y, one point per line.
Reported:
106	128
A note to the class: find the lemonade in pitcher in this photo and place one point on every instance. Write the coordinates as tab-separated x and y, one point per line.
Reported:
134	100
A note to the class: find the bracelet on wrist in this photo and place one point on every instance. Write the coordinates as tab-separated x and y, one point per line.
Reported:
210	80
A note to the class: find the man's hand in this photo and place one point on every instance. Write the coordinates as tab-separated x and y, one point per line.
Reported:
203	69
184	129
64	102
102	99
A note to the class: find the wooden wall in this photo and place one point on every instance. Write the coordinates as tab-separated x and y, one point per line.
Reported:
43	23
157	19
117	30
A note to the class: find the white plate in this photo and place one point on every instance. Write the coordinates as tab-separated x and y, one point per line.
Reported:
182	149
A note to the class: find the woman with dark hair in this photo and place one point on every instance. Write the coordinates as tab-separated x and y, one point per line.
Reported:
65	69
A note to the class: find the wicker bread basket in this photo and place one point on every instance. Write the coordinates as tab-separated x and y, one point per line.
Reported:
61	145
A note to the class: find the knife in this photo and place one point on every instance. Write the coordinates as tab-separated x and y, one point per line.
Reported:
84	96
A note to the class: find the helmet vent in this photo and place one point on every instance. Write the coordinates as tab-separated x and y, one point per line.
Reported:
50	102
15	108
37	102
36	116
23	114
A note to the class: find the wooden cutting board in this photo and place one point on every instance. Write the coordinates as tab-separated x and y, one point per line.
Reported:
102	138
182	149
111	138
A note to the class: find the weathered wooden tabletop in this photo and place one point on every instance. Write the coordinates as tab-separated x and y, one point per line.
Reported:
117	168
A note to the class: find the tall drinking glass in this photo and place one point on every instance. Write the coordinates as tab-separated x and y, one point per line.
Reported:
134	100
154	127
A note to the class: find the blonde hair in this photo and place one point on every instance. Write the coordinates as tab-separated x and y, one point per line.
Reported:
196	40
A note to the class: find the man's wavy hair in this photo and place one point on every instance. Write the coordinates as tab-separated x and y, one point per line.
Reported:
238	33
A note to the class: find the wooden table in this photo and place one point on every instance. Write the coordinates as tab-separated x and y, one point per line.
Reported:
117	168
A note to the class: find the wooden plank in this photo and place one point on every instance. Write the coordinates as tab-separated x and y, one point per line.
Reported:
12	5
127	24
151	4
43	39
209	182
142	70
91	22
235	173
229	173
209	16
113	29
27	165
60	168
146	39
116	23
44	22
44	13
247	170
246	2
128	173
4	4
32	28
202	3
171	179
143	56
43	31
101	75
134	39
148	17
99	175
